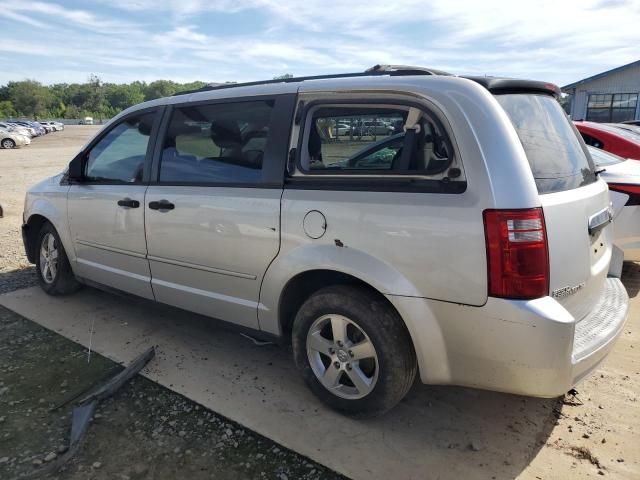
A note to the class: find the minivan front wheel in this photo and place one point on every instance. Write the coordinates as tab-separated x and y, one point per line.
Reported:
353	350
54	271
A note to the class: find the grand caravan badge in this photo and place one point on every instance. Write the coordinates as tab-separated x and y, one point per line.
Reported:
566	291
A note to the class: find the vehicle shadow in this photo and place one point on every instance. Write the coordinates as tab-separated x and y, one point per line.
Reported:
631	278
435	432
451	432
17	279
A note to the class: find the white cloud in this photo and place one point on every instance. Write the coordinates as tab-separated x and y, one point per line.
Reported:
547	39
52	12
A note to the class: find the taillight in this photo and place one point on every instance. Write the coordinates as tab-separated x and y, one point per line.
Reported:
517	253
632	190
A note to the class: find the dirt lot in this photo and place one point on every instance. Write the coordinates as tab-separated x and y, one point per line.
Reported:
147	431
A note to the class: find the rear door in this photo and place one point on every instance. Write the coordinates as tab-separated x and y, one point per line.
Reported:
213	209
575	202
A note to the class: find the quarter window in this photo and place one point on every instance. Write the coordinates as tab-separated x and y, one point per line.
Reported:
216	143
374	140
614	108
119	156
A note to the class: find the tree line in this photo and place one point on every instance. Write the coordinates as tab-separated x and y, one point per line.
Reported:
31	99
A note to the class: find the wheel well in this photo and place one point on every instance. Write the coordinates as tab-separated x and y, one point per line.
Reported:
303	285
34	224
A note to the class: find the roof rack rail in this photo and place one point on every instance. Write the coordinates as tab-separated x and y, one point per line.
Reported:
405	70
376	70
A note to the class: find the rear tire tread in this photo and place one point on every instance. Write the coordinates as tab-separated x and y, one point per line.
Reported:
372	313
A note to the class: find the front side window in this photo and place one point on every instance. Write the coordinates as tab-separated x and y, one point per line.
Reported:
119	156
373	140
614	108
216	143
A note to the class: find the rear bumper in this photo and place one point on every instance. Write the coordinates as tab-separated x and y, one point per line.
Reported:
533	347
594	335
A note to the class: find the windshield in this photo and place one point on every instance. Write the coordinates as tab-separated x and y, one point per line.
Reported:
555	152
602	158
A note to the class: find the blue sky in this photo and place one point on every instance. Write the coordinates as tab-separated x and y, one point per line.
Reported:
240	40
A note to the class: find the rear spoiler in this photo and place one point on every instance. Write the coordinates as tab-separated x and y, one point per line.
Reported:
498	85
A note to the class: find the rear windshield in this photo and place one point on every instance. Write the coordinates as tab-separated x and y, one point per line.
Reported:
554	150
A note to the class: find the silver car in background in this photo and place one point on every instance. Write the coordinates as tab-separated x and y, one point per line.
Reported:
470	244
13	139
54	126
19	129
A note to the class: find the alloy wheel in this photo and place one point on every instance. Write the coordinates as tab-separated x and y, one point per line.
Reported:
49	258
342	357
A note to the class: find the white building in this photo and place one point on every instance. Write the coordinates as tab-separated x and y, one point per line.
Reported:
611	96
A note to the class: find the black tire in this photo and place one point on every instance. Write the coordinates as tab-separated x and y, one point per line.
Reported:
8	143
64	281
370	312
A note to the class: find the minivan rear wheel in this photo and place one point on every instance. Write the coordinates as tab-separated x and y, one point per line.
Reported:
353	350
54	271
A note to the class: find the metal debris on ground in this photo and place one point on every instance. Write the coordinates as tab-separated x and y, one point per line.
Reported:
571	398
84	410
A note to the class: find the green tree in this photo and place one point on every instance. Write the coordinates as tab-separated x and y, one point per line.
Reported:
95	102
119	97
6	109
72	111
29	98
161	88
73	100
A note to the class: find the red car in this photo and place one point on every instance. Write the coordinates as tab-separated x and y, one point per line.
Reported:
615	140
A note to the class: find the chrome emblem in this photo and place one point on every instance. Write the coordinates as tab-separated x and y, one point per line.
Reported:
566	291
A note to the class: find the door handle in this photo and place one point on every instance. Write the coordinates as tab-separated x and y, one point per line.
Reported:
127	202
162	205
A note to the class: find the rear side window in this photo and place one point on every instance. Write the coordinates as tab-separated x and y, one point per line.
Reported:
356	140
556	156
216	143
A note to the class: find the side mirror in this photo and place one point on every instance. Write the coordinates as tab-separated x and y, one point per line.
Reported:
76	165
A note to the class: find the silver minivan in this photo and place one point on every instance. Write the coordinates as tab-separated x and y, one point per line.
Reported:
468	245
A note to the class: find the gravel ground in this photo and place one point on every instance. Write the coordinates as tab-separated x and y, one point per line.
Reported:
147	431
144	432
19	169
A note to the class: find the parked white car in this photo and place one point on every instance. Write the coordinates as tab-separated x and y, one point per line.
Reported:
12	139
461	249
19	129
56	126
623	177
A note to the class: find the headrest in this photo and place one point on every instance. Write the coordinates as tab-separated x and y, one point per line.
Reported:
226	133
145	127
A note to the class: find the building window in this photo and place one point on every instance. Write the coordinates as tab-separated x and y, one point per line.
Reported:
615	108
